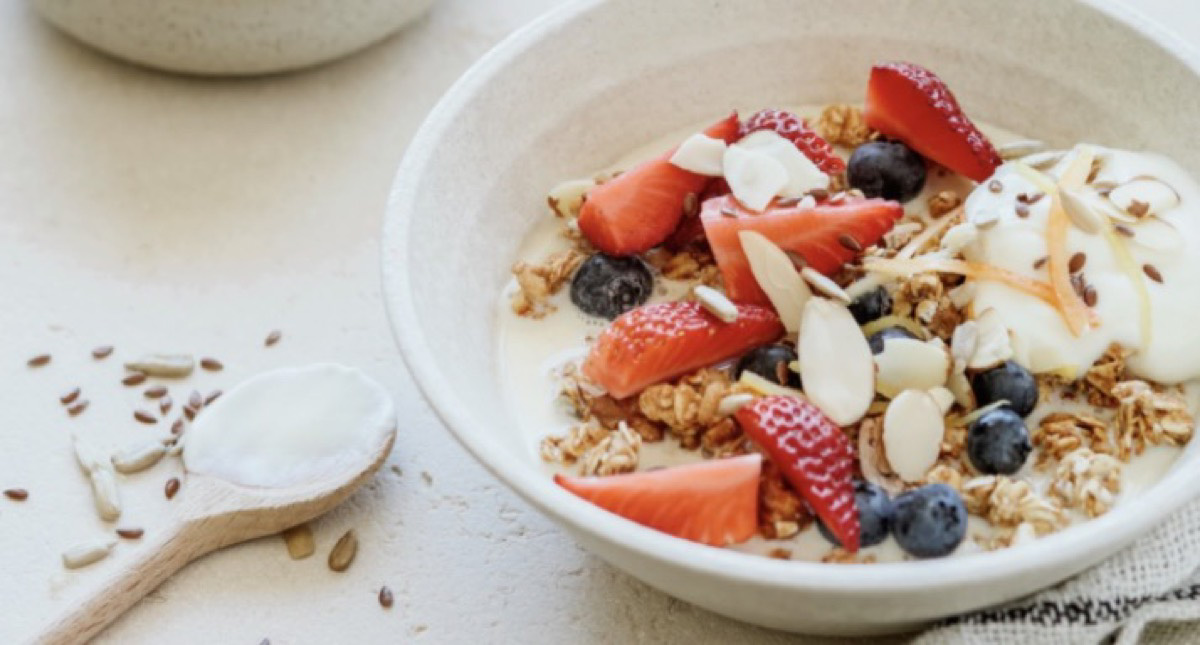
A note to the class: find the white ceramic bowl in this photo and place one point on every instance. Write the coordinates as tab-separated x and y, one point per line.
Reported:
573	91
230	37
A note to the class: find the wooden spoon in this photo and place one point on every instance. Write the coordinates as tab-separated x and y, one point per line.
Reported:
211	513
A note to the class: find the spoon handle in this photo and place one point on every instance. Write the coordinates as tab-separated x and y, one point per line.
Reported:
114	591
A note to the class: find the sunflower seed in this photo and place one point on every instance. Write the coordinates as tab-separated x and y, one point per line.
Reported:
299	541
138	458
385	597
171	487
39	360
211	364
101	352
82	555
1152	272
105	493
77	407
144	417
135	379
69	396
155	392
130	534
344	551
273	337
17	494
163	365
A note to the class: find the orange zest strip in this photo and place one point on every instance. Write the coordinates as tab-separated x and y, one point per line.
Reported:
1075	312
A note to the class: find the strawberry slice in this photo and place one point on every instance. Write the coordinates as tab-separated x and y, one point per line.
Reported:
824	236
654	343
638	209
712	502
910	103
814	455
794	129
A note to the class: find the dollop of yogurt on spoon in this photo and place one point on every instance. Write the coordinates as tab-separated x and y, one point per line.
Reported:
290	426
1153	318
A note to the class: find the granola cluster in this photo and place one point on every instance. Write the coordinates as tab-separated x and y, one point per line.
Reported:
614	454
843	125
1007	502
924	297
1087	481
690	408
537	282
1062	433
1147	416
692	265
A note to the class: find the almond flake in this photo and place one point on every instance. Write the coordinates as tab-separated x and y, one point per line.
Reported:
827	287
910	364
835	362
993	346
775	273
701	154
734	402
912	434
872	460
716	303
803	176
943	397
1083	215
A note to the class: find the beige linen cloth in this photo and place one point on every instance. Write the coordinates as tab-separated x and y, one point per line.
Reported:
1147	593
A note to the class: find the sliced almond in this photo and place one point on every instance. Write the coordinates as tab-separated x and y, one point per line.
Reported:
912	434
823	284
734	402
993	346
1144	196
872	460
910	364
775	273
755	177
716	303
701	154
1082	214
803	175
944	398
835	361
567	197
766	387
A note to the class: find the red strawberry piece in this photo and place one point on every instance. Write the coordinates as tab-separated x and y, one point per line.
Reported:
910	103
654	343
791	127
712	502
691	229
814	455
638	209
824	236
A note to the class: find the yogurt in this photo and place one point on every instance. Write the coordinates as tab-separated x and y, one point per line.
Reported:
1160	334
290	426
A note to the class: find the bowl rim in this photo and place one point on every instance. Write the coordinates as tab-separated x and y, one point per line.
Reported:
1096	538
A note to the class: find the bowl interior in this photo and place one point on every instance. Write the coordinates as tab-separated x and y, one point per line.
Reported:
575	91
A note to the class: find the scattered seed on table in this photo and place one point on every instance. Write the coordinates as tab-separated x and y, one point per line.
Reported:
69	396
385	597
195	400
177	427
17	494
101	352
77	407
84	554
211	364
136	378
39	360
344	551
273	337
155	392
299	541
171	487
144	417
130	534
212	396
164	404
163	365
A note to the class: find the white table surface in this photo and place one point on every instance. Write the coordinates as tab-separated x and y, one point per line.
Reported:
156	212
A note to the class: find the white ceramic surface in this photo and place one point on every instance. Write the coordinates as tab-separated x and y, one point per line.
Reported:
573	91
230	36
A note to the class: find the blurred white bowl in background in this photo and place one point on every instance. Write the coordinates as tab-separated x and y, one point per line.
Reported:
230	37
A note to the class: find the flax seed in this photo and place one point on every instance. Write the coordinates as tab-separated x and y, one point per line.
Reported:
164	405
134	379
1075	265
189	412
77	407
273	337
69	396
995	186
144	417
1090	296
212	396
39	360
1123	230
385	597
17	494
177	427
211	364
1040	262
171	487
1152	272
848	241
102	352
130	534
156	392
195	400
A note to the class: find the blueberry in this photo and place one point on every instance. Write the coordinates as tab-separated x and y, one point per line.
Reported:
887	169
770	362
930	521
608	286
998	442
876	340
875	511
1009	382
872	305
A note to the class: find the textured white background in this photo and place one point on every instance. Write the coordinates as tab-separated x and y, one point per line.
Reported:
158	212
